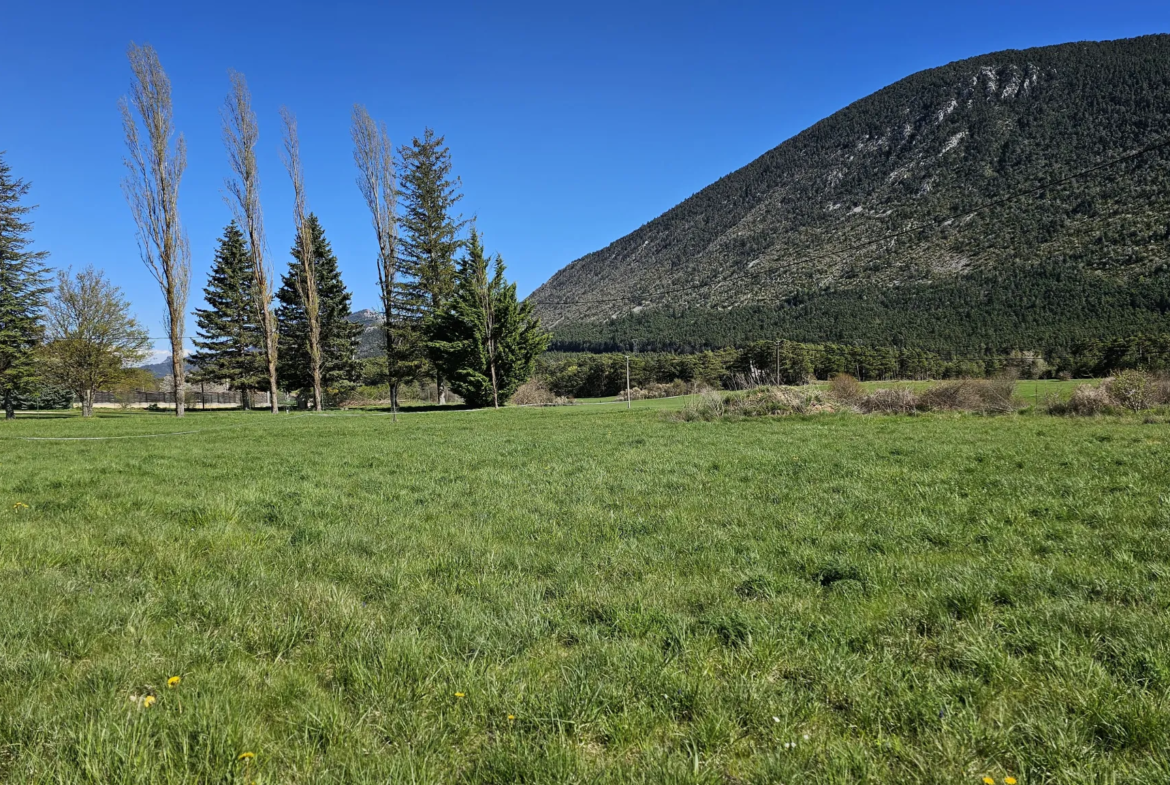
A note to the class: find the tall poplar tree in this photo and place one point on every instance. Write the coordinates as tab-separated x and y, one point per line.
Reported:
429	236
230	342
339	337
23	293
484	340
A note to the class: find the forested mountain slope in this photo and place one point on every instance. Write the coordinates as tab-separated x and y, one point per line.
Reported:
773	247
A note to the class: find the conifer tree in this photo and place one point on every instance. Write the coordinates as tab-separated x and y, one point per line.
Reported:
23	291
339	337
230	343
484	341
430	233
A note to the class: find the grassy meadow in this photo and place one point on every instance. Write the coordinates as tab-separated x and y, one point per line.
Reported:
584	594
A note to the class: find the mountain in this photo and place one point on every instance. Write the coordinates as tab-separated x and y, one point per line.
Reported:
372	341
798	244
163	368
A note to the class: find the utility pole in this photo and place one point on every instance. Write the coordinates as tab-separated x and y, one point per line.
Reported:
629	403
777	363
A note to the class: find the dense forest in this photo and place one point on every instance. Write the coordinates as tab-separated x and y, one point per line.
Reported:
799	243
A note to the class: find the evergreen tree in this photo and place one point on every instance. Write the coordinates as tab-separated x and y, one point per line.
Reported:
430	233
340	369
23	292
230	342
484	341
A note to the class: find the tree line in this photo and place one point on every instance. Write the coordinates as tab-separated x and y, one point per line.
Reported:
448	311
786	362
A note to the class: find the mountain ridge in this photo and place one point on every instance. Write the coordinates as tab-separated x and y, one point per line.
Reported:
907	158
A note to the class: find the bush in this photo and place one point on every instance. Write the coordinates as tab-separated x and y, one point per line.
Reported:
1086	400
846	388
1129	389
989	396
890	400
656	390
535	392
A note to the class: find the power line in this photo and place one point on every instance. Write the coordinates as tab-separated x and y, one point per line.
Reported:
892	236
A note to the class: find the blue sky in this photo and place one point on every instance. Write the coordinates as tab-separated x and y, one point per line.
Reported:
570	124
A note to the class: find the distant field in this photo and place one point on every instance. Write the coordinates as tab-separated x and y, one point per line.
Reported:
585	594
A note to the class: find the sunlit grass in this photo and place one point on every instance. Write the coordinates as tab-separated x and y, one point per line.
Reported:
584	594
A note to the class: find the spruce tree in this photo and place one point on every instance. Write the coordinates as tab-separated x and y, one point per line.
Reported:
430	233
340	369
484	341
230	343
23	293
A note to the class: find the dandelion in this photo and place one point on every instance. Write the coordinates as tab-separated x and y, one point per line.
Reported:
173	682
1009	781
988	781
148	701
511	717
460	695
246	756
20	506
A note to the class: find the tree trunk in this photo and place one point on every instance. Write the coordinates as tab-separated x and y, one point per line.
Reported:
177	370
394	401
87	403
9	407
272	383
441	390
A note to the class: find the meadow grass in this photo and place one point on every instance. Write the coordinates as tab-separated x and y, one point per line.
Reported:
584	594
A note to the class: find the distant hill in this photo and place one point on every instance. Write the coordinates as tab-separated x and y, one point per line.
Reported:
163	367
770	249
371	344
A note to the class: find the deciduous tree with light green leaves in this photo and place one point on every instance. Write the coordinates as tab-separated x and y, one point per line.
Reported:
484	341
23	290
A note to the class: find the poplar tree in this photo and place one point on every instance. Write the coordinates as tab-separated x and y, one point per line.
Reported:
23	293
230	342
484	341
152	191
429	238
339	337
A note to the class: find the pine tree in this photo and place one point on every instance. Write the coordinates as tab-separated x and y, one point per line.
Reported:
230	343
484	341
23	293
430	233
340	369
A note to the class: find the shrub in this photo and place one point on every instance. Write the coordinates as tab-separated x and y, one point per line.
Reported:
656	390
1086	400
890	400
1129	389
988	396
846	388
535	392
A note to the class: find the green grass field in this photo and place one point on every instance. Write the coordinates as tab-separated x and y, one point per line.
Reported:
585	594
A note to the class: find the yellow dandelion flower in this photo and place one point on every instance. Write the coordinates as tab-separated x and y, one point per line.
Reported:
460	695
20	506
511	717
1009	781
173	682
148	701
988	781
246	756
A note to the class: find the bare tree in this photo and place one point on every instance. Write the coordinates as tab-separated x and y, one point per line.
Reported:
240	133
374	156
306	280
152	190
92	338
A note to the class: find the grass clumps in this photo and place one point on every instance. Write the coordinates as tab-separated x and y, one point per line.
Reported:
846	394
535	392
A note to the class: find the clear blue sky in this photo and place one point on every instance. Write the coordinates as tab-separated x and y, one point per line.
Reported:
570	124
